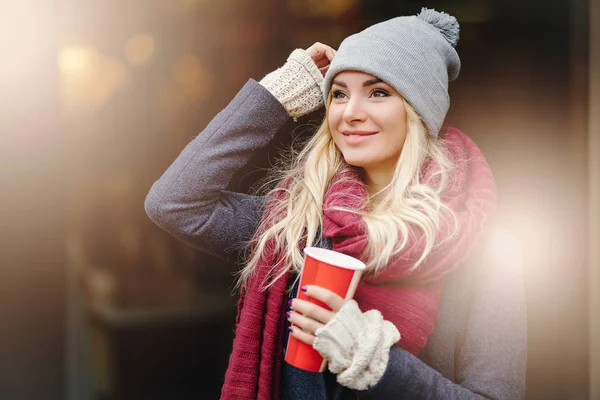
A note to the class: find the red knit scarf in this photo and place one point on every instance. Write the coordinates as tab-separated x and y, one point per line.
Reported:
409	300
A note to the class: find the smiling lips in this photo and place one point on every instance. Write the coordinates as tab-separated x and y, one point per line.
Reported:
358	133
356	137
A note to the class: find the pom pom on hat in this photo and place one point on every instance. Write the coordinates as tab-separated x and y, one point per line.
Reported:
445	23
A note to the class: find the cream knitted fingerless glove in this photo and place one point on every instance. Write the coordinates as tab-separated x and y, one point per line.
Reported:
297	84
357	345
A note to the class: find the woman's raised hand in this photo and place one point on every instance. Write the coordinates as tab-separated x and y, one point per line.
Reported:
321	55
297	84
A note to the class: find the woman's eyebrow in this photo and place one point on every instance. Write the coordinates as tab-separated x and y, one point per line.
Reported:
365	83
371	82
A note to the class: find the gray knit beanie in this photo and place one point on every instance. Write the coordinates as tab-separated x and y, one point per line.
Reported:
413	54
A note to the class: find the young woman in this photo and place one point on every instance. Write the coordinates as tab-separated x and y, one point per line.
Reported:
440	311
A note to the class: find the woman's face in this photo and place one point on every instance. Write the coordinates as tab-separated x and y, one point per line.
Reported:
367	120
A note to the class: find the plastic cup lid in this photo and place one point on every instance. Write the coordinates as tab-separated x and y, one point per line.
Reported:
335	258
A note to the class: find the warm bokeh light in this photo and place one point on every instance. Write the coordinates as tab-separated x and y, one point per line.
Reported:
139	49
88	79
77	60
101	285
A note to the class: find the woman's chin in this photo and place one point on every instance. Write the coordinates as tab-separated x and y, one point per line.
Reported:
356	162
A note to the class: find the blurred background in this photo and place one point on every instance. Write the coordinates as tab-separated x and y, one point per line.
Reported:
97	98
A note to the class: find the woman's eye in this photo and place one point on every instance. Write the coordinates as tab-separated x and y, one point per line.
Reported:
379	93
338	94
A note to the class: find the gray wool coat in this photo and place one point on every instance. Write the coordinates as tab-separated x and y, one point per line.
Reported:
478	348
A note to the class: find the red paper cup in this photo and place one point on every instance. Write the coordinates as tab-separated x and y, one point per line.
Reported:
329	269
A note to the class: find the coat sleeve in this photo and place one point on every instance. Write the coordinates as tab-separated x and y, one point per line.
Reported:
490	362
190	201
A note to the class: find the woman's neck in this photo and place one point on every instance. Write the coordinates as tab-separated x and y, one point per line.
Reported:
377	183
377	180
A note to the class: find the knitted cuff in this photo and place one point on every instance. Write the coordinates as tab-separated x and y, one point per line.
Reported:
297	84
357	345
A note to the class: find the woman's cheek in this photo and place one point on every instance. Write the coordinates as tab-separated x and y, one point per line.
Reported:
334	115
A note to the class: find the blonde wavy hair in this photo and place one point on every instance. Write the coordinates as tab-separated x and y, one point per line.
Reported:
404	205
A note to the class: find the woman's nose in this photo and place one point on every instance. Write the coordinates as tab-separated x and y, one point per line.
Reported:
355	110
